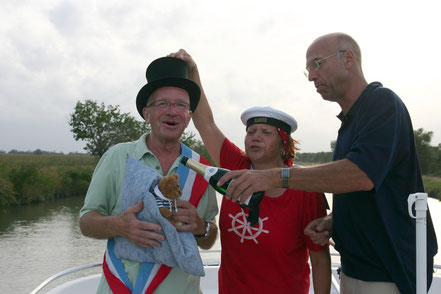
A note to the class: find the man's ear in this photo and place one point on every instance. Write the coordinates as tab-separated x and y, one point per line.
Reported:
349	58
146	114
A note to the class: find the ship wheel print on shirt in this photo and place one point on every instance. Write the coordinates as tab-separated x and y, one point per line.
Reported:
241	226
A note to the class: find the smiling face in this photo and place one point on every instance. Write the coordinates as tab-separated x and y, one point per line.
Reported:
166	114
263	145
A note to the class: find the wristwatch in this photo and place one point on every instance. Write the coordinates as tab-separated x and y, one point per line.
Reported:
207	229
285	177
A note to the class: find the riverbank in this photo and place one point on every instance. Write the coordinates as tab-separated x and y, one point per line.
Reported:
27	178
432	184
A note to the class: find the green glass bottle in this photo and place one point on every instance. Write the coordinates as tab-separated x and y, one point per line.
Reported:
213	174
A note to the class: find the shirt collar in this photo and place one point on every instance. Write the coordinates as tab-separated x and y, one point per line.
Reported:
369	88
141	147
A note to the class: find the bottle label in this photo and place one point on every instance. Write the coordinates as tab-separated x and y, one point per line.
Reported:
248	200
209	172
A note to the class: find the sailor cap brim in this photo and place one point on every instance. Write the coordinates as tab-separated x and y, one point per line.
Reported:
270	116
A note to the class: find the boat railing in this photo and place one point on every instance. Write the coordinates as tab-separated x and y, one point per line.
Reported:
64	273
207	261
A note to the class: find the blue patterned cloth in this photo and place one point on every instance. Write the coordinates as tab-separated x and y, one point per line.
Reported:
179	249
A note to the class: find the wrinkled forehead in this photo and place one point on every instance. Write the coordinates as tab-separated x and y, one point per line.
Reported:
320	48
171	93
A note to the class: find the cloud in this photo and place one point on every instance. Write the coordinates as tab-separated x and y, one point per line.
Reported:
55	53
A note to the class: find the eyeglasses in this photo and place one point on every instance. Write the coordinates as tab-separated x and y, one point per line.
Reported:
165	104
315	64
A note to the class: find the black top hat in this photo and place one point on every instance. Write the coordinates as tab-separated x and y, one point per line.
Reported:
167	72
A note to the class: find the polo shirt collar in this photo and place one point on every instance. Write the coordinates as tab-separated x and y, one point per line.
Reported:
141	147
369	88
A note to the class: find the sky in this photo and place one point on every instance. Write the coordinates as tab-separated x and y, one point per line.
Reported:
249	53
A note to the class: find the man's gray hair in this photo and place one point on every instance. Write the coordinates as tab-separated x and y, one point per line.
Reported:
345	42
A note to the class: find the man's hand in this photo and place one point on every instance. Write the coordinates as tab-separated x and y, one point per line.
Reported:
246	182
194	223
193	73
189	216
144	234
320	230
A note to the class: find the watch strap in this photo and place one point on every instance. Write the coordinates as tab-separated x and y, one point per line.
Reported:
207	229
285	177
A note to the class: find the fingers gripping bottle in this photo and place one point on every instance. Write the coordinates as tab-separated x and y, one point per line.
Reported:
213	174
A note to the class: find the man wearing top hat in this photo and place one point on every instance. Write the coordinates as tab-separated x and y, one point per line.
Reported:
166	102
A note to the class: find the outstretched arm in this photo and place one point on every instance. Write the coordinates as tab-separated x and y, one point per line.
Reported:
203	116
342	176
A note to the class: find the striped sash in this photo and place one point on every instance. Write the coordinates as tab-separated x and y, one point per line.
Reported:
151	274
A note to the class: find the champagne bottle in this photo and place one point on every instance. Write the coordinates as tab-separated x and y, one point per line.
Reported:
213	174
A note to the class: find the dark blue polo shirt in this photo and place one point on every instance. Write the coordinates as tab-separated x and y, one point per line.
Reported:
372	229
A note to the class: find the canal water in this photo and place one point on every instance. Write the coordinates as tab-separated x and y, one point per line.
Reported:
40	240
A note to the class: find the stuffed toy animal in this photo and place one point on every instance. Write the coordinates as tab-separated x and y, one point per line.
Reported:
166	193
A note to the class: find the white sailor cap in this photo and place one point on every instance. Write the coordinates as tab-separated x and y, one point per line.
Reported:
270	116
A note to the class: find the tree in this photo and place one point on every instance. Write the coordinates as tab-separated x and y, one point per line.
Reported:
102	127
333	143
426	153
197	145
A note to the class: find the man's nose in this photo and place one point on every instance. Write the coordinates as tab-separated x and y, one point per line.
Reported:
172	108
312	75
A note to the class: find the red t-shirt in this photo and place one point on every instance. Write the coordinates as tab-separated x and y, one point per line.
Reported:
271	257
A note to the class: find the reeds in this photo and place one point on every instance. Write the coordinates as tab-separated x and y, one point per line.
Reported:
26	179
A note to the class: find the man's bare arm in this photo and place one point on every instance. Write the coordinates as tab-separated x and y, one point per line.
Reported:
340	176
145	234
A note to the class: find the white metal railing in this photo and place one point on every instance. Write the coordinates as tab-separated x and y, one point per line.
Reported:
420	201
63	273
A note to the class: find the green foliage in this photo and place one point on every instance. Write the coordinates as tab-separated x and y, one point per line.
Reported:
195	144
30	185
429	156
28	179
333	142
23	180
432	186
102	127
7	194
310	157
75	182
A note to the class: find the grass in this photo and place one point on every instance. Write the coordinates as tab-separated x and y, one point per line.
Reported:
433	186
28	179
